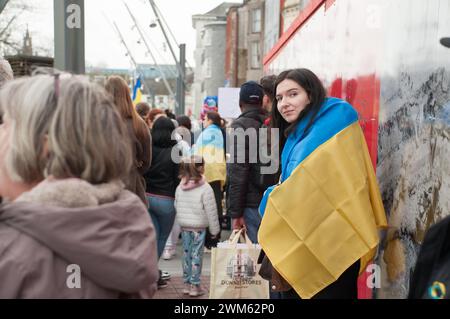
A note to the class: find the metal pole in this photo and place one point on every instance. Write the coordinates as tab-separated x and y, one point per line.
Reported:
3	4
180	80
149	51
69	35
125	45
153	5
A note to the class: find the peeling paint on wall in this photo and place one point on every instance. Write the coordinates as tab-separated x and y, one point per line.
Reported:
413	169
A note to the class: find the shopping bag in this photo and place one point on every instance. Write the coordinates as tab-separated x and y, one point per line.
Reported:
235	271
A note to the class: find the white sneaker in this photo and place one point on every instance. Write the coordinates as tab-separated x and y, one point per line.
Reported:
187	288
196	291
166	254
165	275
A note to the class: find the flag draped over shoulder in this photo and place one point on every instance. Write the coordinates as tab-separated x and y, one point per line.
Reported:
210	145
326	213
137	93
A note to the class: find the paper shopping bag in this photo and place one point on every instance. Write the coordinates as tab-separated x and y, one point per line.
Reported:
235	271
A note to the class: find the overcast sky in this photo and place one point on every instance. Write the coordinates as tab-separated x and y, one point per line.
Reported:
103	47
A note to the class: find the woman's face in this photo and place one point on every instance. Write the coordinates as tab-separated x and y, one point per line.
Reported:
206	122
291	100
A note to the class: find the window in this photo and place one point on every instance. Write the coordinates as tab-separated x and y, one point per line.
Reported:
255	55
256	20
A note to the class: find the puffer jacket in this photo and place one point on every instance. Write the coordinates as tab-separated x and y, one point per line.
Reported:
196	206
45	234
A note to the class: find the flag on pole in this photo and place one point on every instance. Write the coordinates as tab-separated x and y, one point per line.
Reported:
137	93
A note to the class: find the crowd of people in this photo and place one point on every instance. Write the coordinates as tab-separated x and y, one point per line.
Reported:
89	179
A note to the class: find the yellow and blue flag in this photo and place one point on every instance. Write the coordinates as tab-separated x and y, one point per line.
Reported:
326	213
210	145
137	93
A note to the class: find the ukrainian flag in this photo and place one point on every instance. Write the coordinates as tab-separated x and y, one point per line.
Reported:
137	93
211	146
326	212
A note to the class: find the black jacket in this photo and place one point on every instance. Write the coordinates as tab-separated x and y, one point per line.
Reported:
162	178
433	264
242	178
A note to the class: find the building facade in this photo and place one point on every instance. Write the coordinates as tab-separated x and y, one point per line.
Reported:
209	54
245	43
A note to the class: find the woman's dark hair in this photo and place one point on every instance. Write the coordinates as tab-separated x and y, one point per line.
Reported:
267	83
162	133
185	121
316	94
169	114
142	109
214	117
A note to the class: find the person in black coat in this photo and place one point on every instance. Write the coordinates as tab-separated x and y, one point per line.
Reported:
243	193
162	180
431	277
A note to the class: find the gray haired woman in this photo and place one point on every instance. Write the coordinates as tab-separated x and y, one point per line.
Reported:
68	228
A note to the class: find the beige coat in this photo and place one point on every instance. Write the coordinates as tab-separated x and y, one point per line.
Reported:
105	230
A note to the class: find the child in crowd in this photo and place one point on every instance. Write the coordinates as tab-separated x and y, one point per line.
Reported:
196	210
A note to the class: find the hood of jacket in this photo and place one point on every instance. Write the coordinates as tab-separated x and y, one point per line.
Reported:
191	184
104	229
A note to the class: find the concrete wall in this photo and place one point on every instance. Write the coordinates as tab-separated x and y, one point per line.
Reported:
209	53
215	53
271	24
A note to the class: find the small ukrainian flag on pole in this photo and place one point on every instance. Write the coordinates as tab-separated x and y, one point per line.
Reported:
137	93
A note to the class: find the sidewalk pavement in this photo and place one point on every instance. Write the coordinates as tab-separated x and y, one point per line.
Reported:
174	290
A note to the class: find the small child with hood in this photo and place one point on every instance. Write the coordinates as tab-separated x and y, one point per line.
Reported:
196	210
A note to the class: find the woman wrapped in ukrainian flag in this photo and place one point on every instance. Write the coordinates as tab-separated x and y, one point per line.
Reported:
320	223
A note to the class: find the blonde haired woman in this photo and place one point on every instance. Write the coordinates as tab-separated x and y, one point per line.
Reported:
68	228
139	134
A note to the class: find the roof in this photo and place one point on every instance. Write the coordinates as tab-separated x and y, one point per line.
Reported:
218	12
221	10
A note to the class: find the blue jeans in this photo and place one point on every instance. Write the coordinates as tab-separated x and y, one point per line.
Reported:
162	212
252	220
193	242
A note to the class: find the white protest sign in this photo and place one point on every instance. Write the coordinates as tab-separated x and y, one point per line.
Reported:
229	103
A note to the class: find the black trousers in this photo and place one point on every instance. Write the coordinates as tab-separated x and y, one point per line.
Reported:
218	194
346	287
